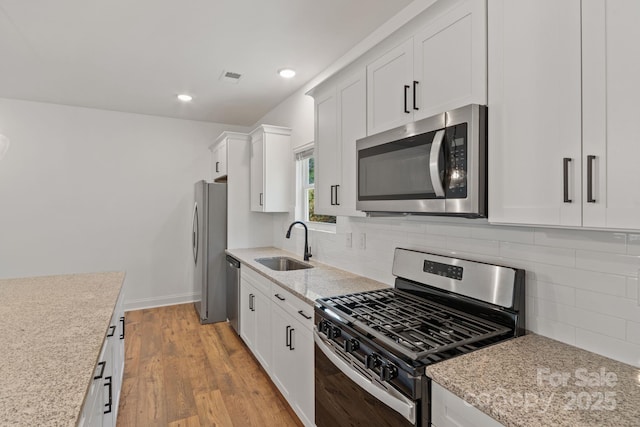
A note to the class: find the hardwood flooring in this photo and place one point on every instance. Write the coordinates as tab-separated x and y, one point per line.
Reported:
181	373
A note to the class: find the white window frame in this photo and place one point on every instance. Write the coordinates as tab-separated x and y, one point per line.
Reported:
302	153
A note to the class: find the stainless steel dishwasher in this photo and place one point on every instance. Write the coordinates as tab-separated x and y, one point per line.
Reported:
233	293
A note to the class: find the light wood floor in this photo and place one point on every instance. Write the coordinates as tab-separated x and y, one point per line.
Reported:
180	373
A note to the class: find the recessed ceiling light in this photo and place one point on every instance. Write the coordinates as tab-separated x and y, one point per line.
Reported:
287	73
184	97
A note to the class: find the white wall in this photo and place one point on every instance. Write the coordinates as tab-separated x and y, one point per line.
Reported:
582	286
89	190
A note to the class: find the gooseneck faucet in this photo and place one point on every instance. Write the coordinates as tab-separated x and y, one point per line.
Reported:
307	252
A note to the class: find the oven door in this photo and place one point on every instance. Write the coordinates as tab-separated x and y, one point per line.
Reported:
346	397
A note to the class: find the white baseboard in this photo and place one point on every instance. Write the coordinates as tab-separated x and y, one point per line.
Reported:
139	304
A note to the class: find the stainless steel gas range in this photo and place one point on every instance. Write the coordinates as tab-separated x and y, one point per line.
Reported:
371	348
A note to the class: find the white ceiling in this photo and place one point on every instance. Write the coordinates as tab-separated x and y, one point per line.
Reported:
137	55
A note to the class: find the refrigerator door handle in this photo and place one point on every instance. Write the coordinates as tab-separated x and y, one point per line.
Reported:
195	233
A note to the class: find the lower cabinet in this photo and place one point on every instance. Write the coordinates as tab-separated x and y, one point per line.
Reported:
448	410
101	402
277	328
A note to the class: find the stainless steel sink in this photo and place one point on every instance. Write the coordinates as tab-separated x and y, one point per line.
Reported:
282	263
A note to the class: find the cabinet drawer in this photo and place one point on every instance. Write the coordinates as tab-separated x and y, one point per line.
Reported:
293	305
448	410
254	278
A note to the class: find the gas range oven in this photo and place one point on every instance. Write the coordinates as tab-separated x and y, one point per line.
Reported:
371	348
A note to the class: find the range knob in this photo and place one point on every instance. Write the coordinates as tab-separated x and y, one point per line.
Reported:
372	361
351	345
388	371
324	326
333	332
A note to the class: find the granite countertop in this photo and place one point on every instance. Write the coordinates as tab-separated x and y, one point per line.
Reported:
536	381
52	329
310	284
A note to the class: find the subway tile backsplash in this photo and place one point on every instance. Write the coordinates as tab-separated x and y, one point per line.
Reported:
582	286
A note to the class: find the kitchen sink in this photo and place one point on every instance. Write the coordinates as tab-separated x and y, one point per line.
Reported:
282	263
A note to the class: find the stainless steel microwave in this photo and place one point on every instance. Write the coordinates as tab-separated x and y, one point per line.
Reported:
435	166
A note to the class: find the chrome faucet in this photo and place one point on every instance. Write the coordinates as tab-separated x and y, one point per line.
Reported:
307	252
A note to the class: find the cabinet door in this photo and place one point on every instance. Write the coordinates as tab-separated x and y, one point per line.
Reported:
247	318
282	369
450	60
534	112
611	66
327	152
220	160
302	340
257	174
262	349
352	125
389	89
448	410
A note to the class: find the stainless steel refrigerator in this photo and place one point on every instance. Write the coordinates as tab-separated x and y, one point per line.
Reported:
209	241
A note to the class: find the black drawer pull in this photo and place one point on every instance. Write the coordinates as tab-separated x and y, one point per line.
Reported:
291	338
112	330
122	321
281	298
108	405
301	313
102	365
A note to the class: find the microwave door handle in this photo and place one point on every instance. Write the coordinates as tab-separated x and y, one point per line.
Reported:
436	146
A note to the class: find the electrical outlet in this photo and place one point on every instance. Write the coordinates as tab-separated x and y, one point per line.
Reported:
363	240
348	240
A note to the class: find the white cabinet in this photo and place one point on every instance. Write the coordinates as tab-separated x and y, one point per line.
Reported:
534	111
219	157
440	68
271	172
100	408
610	94
255	315
292	368
340	119
448	410
277	327
562	103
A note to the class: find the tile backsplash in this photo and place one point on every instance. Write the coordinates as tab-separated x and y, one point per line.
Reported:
582	286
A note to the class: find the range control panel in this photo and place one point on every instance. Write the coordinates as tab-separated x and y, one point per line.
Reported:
446	270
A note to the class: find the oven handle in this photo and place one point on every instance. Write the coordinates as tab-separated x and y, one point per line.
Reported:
392	398
434	170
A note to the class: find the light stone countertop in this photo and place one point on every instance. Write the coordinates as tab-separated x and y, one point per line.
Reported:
535	381
51	332
310	284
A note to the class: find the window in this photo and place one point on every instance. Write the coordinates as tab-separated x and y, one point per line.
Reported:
305	200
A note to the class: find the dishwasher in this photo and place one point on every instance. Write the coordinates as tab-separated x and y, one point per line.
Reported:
233	293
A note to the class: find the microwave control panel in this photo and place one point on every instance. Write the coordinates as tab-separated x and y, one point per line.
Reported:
456	159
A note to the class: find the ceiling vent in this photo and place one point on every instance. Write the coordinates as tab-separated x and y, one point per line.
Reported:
230	77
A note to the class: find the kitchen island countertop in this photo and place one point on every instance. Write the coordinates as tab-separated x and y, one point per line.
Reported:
52	329
534	381
310	284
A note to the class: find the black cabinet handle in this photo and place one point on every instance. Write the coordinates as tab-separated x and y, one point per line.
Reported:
301	313
287	336
415	92
102	365
112	330
217	169
108	405
406	88
281	298
565	174
291	338
332	203
590	160
261	199
337	203
122	321
251	307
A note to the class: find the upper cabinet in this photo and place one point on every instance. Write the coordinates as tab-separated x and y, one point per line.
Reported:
270	169
562	103
219	156
442	67
340	118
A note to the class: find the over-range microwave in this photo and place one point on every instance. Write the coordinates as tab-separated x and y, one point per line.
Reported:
434	166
